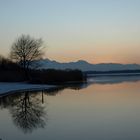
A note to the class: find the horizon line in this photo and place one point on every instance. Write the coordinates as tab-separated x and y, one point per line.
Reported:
89	62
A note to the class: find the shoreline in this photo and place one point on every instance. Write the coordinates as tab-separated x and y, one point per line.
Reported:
13	87
10	88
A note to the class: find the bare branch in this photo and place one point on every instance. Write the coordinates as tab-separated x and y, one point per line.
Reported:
25	50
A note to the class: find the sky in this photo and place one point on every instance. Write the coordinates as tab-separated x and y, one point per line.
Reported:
98	31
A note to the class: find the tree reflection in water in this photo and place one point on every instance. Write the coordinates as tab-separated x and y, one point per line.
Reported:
28	110
28	113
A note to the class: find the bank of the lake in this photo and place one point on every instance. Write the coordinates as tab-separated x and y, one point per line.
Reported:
7	88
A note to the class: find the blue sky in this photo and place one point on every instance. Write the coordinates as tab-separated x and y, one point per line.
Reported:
93	30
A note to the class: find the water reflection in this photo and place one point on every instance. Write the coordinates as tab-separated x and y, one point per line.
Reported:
29	109
26	109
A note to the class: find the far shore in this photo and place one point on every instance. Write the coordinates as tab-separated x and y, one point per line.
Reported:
112	74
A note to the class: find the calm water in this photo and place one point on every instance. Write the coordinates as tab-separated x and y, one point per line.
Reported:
103	109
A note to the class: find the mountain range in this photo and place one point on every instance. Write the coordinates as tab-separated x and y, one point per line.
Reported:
85	66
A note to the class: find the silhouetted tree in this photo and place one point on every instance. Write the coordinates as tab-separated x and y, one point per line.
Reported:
25	50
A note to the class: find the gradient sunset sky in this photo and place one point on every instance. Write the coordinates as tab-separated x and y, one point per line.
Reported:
98	31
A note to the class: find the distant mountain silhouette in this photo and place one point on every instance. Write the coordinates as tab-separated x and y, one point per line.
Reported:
85	66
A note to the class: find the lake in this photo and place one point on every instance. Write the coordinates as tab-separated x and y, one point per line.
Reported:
104	108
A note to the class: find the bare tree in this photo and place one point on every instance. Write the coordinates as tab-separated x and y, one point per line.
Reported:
25	50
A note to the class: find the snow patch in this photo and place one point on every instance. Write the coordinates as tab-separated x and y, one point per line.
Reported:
13	87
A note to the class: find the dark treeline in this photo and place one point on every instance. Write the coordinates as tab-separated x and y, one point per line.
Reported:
12	72
6	64
52	76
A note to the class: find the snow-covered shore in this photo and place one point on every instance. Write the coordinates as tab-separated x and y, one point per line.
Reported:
6	88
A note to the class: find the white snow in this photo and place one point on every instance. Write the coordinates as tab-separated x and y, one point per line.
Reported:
13	87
